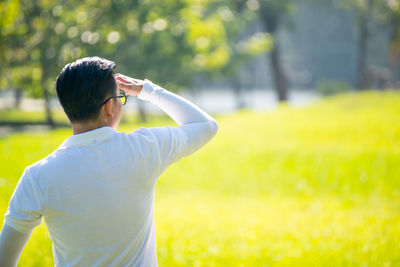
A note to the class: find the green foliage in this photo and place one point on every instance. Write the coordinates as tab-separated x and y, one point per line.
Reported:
311	186
331	87
8	13
168	41
236	16
377	12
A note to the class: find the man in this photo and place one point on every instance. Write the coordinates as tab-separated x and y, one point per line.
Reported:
96	191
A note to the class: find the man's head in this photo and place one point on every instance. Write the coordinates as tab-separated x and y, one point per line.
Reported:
83	85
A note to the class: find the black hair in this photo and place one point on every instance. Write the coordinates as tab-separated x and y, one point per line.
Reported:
83	85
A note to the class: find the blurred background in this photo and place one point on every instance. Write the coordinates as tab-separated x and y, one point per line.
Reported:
305	169
231	54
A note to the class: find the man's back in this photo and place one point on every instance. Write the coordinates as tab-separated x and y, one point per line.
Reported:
96	191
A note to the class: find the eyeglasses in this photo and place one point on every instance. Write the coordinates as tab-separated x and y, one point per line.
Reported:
123	97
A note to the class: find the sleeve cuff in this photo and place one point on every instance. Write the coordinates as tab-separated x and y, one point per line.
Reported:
22	227
148	91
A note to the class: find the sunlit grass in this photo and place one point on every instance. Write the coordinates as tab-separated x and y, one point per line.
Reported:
204	230
317	186
15	116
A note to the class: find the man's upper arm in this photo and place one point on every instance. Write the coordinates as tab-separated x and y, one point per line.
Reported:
171	145
23	214
26	205
12	243
175	143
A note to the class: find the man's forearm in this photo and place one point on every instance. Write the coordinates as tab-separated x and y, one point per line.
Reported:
12	243
179	109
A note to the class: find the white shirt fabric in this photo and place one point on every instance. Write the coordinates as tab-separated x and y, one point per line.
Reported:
96	191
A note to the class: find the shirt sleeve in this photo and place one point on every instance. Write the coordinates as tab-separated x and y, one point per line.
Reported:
167	145
25	210
178	108
175	143
196	127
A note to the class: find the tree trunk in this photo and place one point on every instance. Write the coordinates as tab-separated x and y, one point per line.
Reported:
46	65
362	81
49	115
279	76
238	92
394	50
18	98
271	24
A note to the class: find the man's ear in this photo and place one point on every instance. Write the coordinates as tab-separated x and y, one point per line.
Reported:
108	108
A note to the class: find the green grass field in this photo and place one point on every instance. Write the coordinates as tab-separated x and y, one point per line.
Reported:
316	186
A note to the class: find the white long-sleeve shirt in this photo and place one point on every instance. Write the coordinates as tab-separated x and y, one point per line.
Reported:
96	191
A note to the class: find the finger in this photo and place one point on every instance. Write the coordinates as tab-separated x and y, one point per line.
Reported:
119	76
122	79
124	85
122	76
138	80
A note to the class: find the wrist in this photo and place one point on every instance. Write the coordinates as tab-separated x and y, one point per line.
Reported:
147	90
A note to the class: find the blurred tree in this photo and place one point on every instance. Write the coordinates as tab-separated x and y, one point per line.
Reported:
362	9
170	42
272	14
394	23
243	48
8	14
32	47
166	41
234	17
367	13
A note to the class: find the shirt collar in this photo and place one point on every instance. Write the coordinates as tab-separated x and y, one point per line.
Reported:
98	134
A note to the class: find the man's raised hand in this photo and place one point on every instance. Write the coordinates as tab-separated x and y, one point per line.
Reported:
130	85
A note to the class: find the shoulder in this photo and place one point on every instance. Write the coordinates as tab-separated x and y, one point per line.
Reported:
161	135
48	165
144	134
